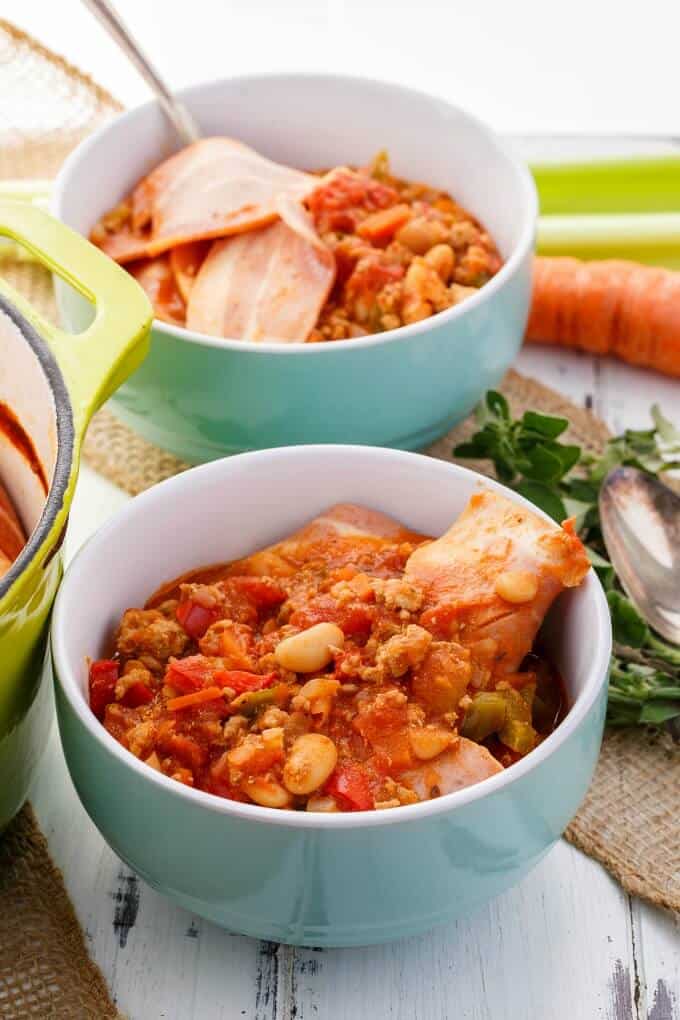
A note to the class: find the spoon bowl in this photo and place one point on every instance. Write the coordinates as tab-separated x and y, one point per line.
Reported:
640	519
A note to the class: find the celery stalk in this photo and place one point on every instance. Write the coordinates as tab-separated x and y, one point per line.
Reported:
634	185
653	238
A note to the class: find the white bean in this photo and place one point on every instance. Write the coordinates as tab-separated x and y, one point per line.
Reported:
310	762
517	586
309	650
267	792
427	743
319	802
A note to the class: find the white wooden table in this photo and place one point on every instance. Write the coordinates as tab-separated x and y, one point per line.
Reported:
567	943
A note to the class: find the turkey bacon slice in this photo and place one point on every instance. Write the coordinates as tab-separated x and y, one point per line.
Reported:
268	284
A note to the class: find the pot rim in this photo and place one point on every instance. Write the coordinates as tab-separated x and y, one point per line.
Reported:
54	500
521	249
65	674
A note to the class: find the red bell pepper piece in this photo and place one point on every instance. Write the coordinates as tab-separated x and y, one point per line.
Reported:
240	681
190	674
349	785
195	618
102	683
137	694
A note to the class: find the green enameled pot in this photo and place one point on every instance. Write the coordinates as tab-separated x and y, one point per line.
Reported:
51	382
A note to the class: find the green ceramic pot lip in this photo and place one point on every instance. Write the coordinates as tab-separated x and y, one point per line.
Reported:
63	467
163	492
450	315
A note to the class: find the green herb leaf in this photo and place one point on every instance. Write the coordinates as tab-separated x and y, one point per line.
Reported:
629	628
657	712
564	481
498	405
544	498
544	424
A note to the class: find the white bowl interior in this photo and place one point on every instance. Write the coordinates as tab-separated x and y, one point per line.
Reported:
227	508
313	121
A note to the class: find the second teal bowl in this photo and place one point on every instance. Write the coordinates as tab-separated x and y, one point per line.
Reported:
294	876
202	397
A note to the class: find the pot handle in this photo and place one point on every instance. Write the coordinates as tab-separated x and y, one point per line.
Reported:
95	362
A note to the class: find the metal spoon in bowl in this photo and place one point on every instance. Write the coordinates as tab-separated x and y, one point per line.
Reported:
640	519
177	113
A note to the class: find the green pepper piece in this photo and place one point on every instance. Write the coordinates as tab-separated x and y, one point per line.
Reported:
528	693
486	715
518	708
518	736
251	702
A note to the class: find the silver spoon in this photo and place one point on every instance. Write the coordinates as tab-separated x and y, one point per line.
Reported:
178	114
640	519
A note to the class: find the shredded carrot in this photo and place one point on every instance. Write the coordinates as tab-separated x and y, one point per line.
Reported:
608	307
382	225
197	698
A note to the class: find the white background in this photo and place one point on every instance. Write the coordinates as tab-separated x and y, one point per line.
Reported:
523	65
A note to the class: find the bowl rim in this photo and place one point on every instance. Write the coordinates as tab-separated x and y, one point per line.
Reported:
509	268
58	485
65	676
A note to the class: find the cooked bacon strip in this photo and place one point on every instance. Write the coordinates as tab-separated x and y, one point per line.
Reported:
156	277
185	262
213	188
494	575
463	765
122	245
12	538
268	284
311	542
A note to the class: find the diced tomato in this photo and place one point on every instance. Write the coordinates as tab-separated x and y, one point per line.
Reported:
195	618
356	619
239	680
386	730
185	750
441	619
371	274
137	694
190	674
352	618
346	189
102	683
349	784
263	592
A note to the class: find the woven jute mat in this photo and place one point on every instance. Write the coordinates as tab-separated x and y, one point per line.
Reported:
628	821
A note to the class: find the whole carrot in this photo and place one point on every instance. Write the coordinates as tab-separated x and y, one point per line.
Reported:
608	307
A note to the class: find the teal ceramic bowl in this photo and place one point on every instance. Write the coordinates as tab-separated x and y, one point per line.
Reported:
203	397
303	878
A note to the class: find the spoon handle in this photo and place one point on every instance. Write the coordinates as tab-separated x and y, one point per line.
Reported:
178	114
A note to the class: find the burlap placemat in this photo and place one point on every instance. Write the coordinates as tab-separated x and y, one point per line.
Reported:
629	819
45	970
